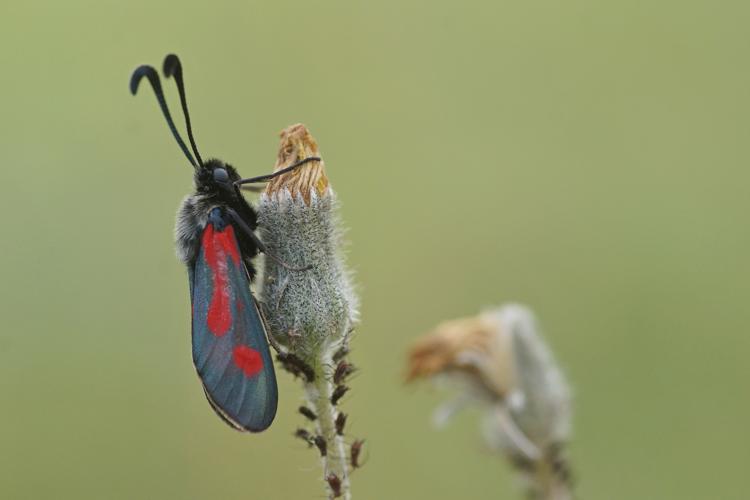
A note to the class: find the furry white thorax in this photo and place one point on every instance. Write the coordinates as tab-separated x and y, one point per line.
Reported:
192	217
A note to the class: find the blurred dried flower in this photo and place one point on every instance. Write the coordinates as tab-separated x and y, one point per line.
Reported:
498	360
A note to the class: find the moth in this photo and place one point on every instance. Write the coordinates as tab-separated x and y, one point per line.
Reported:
216	240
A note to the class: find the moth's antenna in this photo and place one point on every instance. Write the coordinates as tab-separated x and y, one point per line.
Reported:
173	67
268	177
153	78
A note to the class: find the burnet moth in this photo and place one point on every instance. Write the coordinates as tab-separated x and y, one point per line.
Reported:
215	239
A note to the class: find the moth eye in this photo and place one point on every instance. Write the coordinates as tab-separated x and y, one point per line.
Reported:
221	175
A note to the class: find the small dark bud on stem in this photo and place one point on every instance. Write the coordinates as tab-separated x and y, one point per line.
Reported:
338	393
343	370
340	423
335	484
320	442
308	413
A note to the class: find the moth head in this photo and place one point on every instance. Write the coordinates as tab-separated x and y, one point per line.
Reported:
215	175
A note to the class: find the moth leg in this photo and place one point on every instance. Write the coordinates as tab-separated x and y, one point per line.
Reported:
261	246
281	350
283	289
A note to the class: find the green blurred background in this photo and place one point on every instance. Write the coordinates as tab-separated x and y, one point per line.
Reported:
587	158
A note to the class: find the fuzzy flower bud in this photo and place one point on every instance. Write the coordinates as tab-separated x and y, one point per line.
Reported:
499	361
312	311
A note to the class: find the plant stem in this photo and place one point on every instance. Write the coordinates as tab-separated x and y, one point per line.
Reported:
319	393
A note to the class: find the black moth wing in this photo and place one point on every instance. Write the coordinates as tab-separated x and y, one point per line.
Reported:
230	348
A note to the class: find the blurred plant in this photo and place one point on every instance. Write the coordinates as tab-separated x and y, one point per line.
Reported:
499	361
310	313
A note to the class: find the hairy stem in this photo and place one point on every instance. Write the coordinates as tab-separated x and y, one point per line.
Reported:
335	462
550	478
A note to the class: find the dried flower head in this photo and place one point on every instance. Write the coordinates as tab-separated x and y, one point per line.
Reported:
472	346
499	361
296	145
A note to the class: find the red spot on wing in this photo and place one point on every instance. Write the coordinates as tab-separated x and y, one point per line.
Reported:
248	360
217	246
